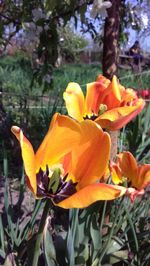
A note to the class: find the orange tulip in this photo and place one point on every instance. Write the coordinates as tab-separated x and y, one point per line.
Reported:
127	170
107	102
69	163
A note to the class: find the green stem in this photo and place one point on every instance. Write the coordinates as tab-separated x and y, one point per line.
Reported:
34	261
33	218
103	215
132	228
110	235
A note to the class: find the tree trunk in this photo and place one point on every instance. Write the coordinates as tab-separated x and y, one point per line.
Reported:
111	34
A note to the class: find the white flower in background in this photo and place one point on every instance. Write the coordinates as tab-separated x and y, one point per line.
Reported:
144	19
99	7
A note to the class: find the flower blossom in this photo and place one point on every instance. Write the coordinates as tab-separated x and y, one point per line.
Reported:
107	102
99	7
127	170
144	93
69	163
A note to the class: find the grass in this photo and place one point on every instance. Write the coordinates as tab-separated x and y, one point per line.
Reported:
79	73
16	76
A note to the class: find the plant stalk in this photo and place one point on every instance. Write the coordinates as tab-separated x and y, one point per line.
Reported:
36	253
114	143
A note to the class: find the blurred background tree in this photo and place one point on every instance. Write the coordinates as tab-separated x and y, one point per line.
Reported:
35	26
70	43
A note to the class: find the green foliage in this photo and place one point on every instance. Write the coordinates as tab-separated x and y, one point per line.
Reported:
38	23
135	81
16	227
20	60
16	74
136	136
80	73
70	43
112	233
89	239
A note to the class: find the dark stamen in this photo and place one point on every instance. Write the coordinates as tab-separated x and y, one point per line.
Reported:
57	190
90	117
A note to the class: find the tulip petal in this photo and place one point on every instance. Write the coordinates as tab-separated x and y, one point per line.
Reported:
62	136
133	193
116	173
90	158
66	162
74	100
143	176
103	80
28	157
118	117
92	193
127	95
116	88
94	96
111	97
128	166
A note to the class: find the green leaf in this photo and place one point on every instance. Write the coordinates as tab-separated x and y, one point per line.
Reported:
49	249
1	234
95	235
115	245
118	256
72	231
83	254
37	207
50	5
82	237
132	226
2	253
5	162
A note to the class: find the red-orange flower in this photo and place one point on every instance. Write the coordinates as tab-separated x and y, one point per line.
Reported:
144	93
107	102
69	163
126	169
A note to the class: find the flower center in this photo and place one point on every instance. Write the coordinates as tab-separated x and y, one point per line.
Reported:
51	184
102	109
